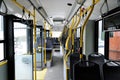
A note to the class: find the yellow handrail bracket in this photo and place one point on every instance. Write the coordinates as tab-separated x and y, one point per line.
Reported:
3	62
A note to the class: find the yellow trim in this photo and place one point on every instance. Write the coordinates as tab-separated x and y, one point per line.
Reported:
3	62
41	74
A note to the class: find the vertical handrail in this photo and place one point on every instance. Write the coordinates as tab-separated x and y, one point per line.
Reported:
70	37
34	24
84	25
70	31
68	51
67	40
44	41
75	28
50	32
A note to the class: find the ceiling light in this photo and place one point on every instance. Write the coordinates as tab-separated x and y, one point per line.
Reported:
69	4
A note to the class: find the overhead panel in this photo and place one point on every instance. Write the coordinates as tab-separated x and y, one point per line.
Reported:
96	13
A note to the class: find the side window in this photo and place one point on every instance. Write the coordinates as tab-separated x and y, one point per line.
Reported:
20	38
114	45
1	38
100	39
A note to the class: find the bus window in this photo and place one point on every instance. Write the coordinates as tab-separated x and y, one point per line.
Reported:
20	38
114	45
100	39
1	39
1	51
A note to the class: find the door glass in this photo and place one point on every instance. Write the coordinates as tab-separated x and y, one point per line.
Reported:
114	45
23	60
1	28
20	38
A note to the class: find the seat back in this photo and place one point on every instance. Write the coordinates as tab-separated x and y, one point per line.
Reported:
74	58
86	70
111	70
98	59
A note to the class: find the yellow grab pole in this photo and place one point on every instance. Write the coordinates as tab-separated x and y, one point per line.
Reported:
45	42
34	20
70	31
83	27
67	55
67	49
50	32
68	38
76	28
72	37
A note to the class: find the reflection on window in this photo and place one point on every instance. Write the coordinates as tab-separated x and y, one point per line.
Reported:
20	38
1	51
1	28
114	45
101	39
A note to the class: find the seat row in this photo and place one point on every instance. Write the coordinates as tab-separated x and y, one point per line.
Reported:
96	68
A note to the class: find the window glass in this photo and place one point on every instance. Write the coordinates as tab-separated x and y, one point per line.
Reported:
1	51
1	28
20	38
100	39
114	45
1	38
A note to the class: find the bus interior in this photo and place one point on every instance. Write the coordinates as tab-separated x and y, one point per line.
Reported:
60	40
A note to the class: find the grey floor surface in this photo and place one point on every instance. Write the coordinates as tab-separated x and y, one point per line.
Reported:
55	72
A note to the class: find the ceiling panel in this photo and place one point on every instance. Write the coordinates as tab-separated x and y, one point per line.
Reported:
57	8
